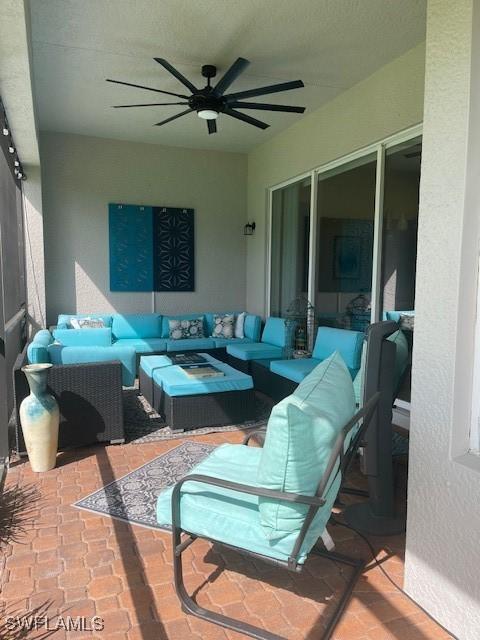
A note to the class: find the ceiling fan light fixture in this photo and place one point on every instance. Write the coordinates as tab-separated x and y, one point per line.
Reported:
207	114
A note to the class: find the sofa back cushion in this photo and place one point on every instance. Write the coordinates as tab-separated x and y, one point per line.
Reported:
185	316
139	325
64	319
84	337
274	332
347	343
301	433
252	326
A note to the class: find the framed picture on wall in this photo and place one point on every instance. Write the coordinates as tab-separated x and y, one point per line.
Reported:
347	254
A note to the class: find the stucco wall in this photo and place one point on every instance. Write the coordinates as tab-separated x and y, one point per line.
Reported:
388	101
443	550
81	175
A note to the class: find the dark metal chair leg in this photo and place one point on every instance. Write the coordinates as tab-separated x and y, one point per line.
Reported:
191	607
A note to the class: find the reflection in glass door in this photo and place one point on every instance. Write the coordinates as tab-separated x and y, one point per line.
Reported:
290	231
399	239
345	235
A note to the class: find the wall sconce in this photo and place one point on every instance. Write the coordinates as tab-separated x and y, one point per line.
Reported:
249	228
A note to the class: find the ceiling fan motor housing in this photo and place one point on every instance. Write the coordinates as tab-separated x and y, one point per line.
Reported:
209	71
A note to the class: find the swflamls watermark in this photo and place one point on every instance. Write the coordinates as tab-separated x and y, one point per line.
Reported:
67	623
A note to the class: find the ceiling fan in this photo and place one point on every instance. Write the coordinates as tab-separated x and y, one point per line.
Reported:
210	101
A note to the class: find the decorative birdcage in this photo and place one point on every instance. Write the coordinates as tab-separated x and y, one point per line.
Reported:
299	326
359	310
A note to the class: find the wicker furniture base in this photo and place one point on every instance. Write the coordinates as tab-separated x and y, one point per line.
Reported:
89	397
210	409
271	384
240	365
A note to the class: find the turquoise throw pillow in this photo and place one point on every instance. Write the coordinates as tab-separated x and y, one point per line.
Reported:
301	432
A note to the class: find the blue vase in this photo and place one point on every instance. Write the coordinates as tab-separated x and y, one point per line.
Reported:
39	417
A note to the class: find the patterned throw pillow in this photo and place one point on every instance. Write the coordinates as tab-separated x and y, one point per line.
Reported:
185	329
223	326
87	323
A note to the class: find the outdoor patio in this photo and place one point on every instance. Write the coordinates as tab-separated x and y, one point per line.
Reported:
60	560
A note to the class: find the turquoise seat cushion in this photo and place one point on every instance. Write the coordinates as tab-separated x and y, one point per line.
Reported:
294	370
401	357
165	329
175	381
84	337
150	363
190	344
254	351
224	342
143	345
63	320
140	325
347	343
301	432
274	332
60	354
229	516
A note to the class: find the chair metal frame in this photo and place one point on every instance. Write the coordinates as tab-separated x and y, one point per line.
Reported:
338	464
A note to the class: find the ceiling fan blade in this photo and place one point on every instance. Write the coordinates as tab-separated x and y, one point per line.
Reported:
178	115
212	126
261	91
266	107
166	65
140	86
151	104
244	118
231	75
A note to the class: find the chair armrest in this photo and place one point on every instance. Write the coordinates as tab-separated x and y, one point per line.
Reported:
313	501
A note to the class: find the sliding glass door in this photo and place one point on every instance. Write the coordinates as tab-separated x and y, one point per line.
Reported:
290	226
344	254
344	239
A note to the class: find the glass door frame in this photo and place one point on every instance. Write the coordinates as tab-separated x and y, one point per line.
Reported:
379	149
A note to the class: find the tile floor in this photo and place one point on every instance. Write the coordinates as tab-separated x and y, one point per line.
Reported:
59	561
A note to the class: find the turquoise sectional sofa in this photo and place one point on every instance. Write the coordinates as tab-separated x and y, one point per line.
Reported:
127	337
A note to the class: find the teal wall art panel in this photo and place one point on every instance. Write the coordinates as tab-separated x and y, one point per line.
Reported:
151	248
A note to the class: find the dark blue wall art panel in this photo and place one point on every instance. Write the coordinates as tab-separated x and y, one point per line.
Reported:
131	247
174	249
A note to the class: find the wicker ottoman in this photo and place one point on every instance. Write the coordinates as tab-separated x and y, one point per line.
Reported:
188	403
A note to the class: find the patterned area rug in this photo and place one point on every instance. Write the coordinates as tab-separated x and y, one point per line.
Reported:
143	423
133	498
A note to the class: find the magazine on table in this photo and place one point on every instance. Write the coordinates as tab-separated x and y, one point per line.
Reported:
187	358
198	371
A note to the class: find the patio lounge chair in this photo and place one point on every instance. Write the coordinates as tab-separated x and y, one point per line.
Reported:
293	483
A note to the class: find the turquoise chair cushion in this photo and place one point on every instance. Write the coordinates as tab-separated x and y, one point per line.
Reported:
84	337
300	436
347	343
175	382
143	345
224	342
140	325
252	327
395	316
60	354
401	357
358	381
274	332
295	370
63	320
150	363
254	351
165	332
190	344
229	516
43	337
37	353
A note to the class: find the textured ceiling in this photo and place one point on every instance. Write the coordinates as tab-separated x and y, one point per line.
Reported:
329	44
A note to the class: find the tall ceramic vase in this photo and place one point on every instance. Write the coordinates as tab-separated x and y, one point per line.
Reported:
39	417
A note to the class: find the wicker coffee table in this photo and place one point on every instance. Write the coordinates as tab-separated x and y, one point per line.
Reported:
188	403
